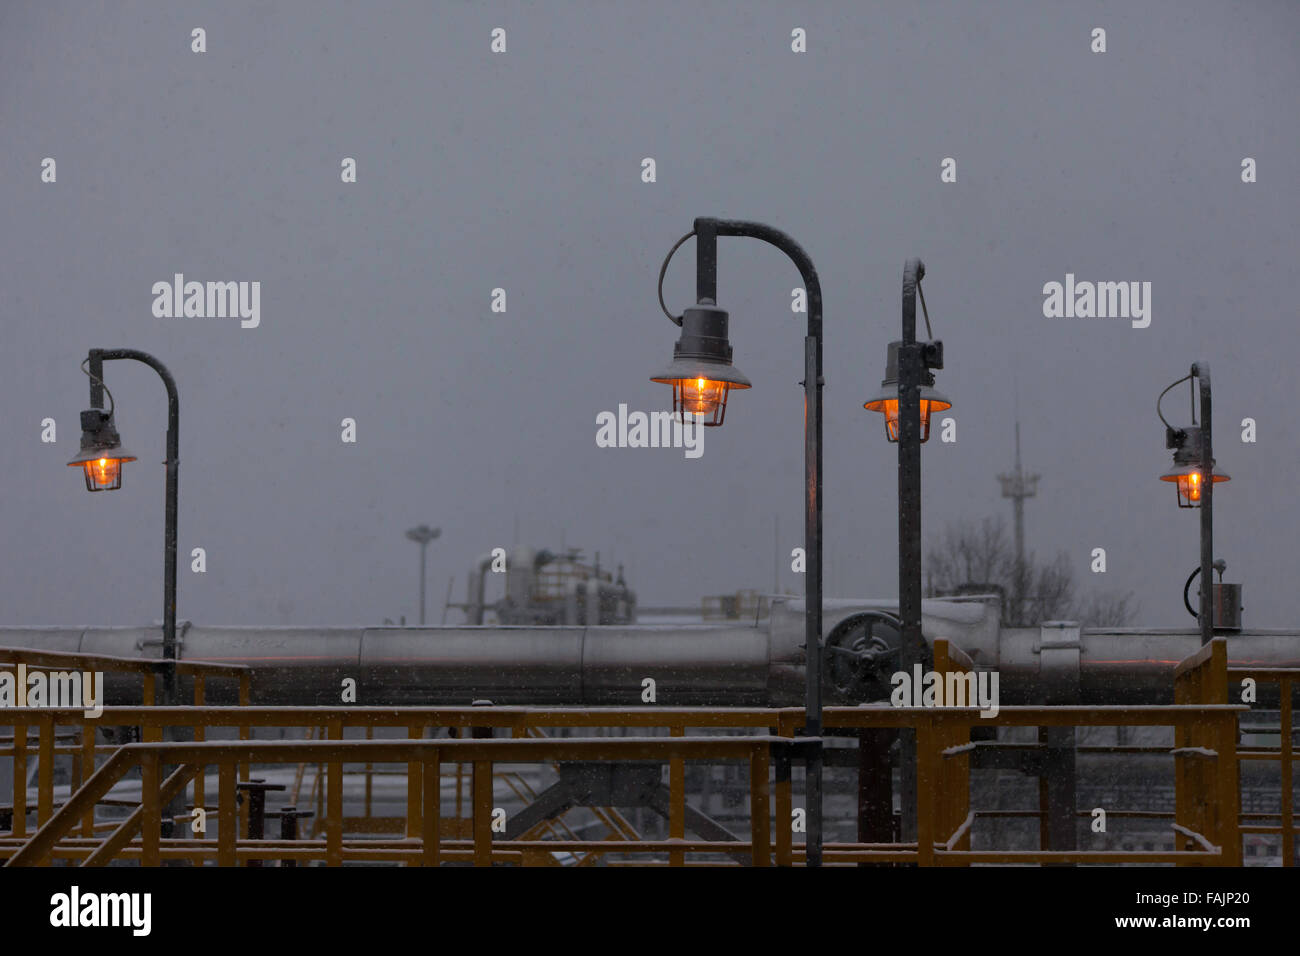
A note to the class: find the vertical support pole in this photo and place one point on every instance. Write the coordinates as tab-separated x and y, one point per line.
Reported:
928	778
1229	796
200	734
1288	803
227	818
334	801
760	805
1058	783
87	770
813	594
431	819
369	792
20	778
151	810
875	786
44	768
415	774
784	803
482	809
910	369
288	831
677	800
423	546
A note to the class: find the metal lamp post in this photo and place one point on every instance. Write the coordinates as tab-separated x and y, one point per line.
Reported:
101	459
1193	460
907	421
422	535
702	376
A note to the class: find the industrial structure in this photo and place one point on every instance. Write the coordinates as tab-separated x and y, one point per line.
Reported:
546	588
1145	737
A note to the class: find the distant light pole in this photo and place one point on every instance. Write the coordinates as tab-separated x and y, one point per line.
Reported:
908	406
422	535
701	376
1193	460
101	458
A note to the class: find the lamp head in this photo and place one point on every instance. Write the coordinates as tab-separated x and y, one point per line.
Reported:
1186	472
701	372
101	454
886	400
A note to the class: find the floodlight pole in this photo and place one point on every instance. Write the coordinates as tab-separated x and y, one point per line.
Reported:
422	535
706	280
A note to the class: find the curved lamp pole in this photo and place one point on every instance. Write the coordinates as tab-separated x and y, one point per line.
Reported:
101	458
422	535
701	376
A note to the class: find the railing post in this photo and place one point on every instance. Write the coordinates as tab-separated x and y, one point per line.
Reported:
1288	804
677	800
44	768
289	817
1229	796
227	818
151	807
784	838
200	734
87	771
482	810
20	778
414	797
431	819
759	805
334	802
926	783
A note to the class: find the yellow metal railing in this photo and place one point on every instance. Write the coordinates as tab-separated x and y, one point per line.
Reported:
943	746
1207	819
139	836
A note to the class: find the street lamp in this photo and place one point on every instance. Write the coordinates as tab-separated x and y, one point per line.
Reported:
101	458
1193	460
422	535
102	453
702	377
1188	469
701	373
886	400
907	408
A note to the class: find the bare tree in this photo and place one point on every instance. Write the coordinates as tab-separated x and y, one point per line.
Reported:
972	555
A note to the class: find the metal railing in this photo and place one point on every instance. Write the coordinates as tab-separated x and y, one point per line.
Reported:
1205	755
1287	679
424	842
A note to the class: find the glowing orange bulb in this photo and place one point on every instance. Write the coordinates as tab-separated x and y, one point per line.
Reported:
1190	486
104	472
700	396
889	407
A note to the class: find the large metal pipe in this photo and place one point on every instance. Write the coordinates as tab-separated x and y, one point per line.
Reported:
692	665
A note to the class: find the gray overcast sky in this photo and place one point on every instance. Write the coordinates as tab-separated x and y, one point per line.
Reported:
522	170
